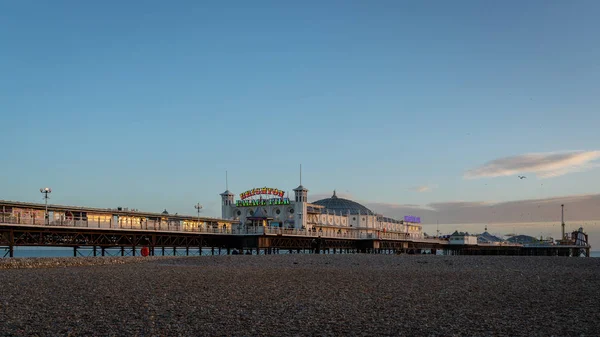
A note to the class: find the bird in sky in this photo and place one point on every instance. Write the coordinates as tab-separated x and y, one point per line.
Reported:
522	177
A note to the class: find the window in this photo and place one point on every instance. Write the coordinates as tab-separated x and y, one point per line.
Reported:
277	211
291	211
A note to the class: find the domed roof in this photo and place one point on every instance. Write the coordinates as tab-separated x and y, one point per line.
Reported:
343	205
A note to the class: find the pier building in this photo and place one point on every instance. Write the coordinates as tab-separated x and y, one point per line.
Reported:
265	207
107	218
462	238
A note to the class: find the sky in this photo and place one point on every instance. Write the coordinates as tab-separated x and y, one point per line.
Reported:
431	104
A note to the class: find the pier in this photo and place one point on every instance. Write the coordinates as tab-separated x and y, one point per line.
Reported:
127	231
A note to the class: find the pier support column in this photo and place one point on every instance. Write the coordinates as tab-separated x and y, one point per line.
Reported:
74	251
102	250
163	250
133	250
94	250
174	251
187	251
11	244
122	251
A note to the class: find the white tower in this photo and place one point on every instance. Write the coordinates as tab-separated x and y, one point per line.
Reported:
227	201
227	205
300	201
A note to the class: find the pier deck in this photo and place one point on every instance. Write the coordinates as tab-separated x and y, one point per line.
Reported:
270	241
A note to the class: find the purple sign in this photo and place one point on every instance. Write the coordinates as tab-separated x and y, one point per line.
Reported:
410	218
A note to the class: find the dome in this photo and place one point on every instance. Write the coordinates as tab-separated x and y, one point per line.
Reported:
343	205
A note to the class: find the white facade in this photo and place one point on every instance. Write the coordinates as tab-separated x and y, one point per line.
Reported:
299	214
460	238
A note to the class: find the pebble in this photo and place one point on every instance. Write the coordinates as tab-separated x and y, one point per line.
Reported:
50	262
299	295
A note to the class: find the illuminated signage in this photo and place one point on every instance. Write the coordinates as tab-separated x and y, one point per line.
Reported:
261	191
262	202
410	218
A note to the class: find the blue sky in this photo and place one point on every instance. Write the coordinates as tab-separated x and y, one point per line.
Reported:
147	104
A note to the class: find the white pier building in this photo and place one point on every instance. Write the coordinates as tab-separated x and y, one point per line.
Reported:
267	208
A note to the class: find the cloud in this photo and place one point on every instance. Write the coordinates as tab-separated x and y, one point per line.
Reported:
441	206
577	208
396	206
543	165
421	189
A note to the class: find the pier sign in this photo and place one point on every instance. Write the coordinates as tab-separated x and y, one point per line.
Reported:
262	202
410	218
262	191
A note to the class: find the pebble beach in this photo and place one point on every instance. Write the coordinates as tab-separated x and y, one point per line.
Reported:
301	295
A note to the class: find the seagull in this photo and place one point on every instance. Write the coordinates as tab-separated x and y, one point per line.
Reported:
522	177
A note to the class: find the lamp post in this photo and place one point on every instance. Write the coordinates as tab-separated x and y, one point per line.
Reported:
45	191
198	208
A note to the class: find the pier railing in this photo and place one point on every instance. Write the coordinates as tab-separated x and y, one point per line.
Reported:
374	234
150	225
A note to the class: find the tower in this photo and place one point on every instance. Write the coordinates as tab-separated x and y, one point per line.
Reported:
226	204
226	201
300	201
300	194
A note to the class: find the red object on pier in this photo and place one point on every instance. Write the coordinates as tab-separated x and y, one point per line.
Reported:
145	251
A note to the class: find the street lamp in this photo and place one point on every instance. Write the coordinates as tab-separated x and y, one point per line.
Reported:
45	191
198	207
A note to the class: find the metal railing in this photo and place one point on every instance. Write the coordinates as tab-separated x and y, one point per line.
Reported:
150	225
96	223
343	235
